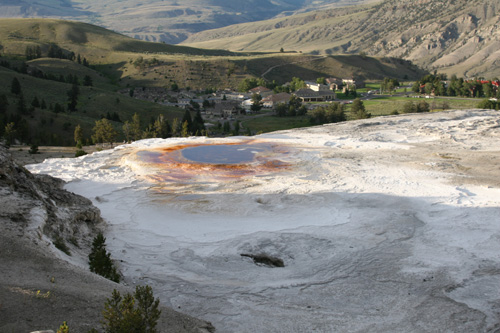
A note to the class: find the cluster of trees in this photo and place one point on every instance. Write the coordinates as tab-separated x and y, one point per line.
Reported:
358	110
16	89
131	313
54	51
293	108
333	113
104	132
138	313
141	63
33	52
389	84
250	83
14	124
411	107
438	85
489	104
70	78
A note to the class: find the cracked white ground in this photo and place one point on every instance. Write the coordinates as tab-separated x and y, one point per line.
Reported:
387	224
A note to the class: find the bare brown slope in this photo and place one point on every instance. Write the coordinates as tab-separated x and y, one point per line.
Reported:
164	20
457	37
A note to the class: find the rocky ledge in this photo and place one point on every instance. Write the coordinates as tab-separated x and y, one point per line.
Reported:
45	238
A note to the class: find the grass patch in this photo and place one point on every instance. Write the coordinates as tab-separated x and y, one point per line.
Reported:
273	123
383	106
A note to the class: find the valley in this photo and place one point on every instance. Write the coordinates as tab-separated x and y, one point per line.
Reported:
266	166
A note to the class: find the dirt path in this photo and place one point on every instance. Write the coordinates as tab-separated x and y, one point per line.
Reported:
291	63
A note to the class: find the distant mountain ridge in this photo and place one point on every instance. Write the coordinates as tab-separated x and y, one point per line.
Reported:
168	21
457	37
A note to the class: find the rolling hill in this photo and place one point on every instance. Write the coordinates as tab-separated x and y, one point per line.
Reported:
456	37
168	21
117	64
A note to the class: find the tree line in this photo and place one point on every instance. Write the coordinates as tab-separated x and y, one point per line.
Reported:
439	85
54	51
104	132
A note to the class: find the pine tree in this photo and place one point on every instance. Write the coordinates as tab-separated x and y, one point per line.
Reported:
100	260
87	81
135	128
58	108
256	102
185	130
21	105
35	102
162	127
236	130
227	127
104	132
198	123
187	118
358	109
127	130
78	135
3	103
131	313
176	127
73	97
10	133
15	86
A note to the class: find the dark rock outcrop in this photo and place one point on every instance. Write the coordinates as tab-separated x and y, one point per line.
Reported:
265	259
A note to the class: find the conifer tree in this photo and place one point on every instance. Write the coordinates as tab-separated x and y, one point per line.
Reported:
131	313
4	102
135	128
35	102
176	127
185	129
198	123
358	109
21	105
104	132
187	118
15	86
78	135
100	260
73	97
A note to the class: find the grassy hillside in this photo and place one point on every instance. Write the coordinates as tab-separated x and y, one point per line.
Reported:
45	126
116	64
169	21
310	67
16	34
130	62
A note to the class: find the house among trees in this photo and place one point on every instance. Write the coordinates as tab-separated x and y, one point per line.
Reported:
263	91
334	83
236	96
351	84
317	86
225	109
272	100
309	95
